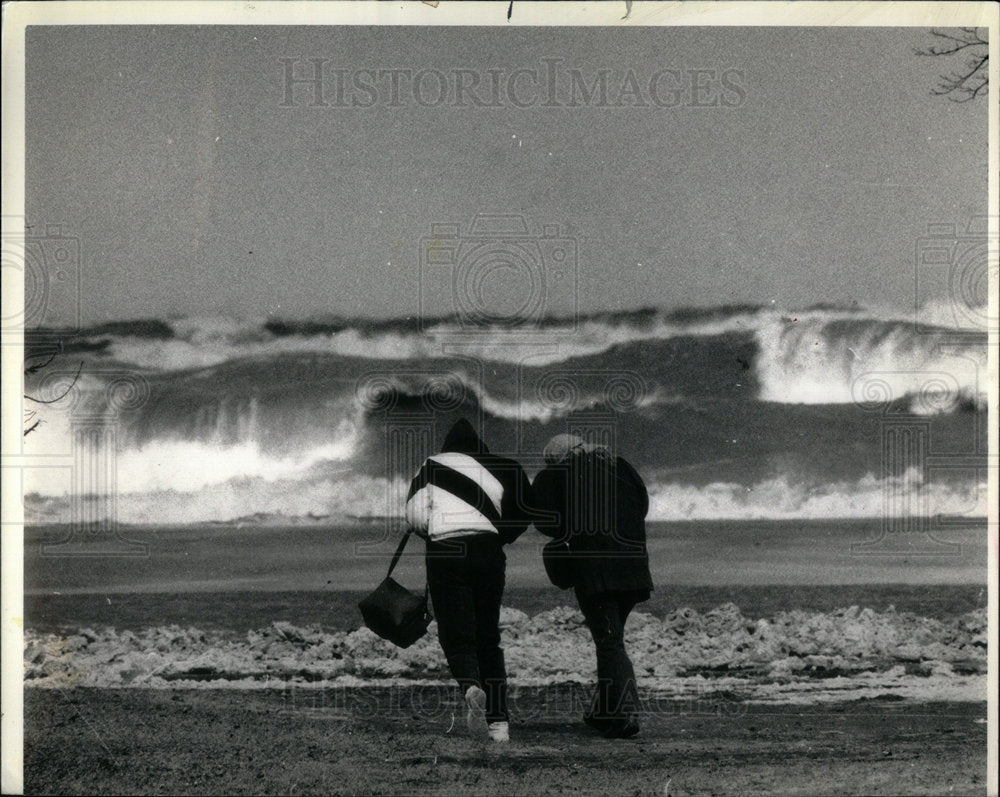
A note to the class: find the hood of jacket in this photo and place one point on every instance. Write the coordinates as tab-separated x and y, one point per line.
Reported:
462	439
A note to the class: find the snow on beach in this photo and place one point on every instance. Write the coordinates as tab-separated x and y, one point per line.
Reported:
794	656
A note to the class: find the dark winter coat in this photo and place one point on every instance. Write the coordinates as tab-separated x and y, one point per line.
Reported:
597	503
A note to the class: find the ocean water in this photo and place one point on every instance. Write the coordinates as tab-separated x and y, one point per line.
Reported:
741	413
213	496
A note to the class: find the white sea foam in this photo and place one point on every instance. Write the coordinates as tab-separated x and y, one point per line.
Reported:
787	498
805	362
182	490
220	450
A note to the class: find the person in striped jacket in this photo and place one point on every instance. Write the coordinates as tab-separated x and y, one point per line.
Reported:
468	503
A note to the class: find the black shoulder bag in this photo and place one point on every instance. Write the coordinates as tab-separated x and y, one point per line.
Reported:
392	611
558	561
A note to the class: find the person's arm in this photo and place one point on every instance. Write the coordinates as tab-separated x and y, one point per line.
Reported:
419	504
549	506
629	475
517	504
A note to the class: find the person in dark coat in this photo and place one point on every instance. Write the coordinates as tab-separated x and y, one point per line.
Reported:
468	503
597	503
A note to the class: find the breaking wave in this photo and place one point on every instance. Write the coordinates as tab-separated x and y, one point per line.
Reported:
331	491
908	495
212	418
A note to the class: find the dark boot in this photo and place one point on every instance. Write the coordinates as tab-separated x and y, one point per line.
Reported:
597	716
624	728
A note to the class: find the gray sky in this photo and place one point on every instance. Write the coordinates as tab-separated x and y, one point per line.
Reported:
168	153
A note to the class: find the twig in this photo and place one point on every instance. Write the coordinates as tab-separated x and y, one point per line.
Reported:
961	86
32	369
64	393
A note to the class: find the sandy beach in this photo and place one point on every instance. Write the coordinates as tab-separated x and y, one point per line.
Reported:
226	683
182	742
771	688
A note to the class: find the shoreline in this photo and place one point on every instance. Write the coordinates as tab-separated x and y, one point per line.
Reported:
276	522
318	558
242	610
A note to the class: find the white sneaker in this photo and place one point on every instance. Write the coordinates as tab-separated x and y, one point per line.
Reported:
475	713
499	731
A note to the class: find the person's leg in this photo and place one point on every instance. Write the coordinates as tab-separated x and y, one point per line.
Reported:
626	603
629	689
451	591
489	595
601	615
617	699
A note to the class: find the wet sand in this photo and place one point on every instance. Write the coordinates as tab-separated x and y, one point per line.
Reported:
141	741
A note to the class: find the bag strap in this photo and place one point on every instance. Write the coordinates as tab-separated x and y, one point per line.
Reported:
399	551
395	561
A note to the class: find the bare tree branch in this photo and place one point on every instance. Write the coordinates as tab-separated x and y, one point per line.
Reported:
33	369
29	416
973	79
969	38
62	395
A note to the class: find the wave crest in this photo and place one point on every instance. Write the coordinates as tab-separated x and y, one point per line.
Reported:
819	360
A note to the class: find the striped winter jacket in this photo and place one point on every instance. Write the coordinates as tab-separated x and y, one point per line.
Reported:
467	490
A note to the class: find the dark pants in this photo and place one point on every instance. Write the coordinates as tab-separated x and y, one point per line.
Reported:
606	612
466	580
